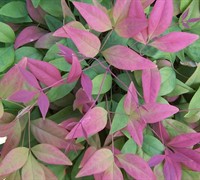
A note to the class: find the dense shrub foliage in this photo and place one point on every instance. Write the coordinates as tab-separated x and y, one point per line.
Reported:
99	89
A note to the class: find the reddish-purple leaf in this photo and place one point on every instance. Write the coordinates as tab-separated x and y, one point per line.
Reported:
23	96
185	14
45	72
88	154
75	71
185	140
46	41
49	132
131	99
50	154
174	41
135	166
14	160
124	58
112	173
186	25
86	83
30	78
172	170
151	81
135	127
155	112
36	14
192	20
155	160
66	53
98	4
32	169
92	122
94	16
43	103
160	17
146	3
87	43
103	159
69	123
189	158
29	34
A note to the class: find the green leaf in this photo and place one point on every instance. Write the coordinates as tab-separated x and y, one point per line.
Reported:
184	4
194	106
123	77
26	51
152	145
53	7
59	171
35	3
168	80
194	80
53	23
97	83
120	119
1	109
7	35
193	52
129	147
15	9
190	175
32	169
61	64
7	58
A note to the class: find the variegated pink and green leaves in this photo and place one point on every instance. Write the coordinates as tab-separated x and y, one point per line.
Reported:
98	89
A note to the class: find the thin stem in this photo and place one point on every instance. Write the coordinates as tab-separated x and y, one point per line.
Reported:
29	130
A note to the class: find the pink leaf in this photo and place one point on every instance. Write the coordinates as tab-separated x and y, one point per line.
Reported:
131	99
160	17
92	122
49	132
48	174
155	160
135	166
146	3
113	173
29	34
151	81
103	159
174	41
124	58
36	14
135	128
75	71
14	160
155	112
69	123
50	154
86	83
23	96
185	140
171	170
45	72
87	43
95	17
43	104
185	14
88	154
66	53
30	78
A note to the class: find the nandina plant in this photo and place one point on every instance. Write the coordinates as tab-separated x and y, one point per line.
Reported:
98	89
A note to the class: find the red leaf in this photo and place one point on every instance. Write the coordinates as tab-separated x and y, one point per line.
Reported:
151	81
36	14
92	122
185	140
135	166
30	78
75	71
124	58
23	96
103	159
174	41
131	99
28	34
50	154
14	160
160	17
45	72
87	43
155	160
95	17
86	83
49	132
43	103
